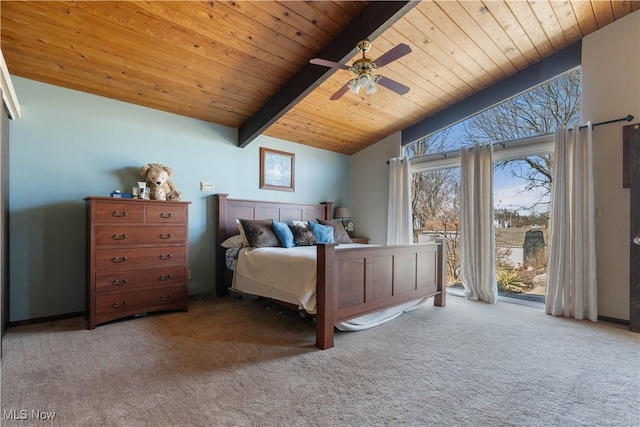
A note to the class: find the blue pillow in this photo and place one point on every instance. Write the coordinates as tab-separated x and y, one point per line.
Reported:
284	234
324	233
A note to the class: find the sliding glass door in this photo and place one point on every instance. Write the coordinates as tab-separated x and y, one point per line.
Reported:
521	198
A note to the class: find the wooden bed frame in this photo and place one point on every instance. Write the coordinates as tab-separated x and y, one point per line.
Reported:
350	282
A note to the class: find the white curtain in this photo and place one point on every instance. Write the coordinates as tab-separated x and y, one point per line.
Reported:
571	273
477	235
400	223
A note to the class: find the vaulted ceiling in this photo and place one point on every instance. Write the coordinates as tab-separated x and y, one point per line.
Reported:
245	64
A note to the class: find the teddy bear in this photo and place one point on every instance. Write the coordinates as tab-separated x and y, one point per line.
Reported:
157	177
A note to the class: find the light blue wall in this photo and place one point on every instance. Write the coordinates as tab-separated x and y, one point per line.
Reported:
68	145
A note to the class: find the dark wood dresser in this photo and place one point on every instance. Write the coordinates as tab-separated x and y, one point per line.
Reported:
137	252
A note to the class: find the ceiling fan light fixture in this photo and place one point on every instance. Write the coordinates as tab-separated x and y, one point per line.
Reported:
372	88
364	80
353	86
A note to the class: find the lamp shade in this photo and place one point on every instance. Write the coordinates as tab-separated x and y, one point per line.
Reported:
342	212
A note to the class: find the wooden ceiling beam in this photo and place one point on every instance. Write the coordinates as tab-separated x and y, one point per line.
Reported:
372	22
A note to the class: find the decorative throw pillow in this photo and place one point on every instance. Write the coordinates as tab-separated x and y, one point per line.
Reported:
284	234
340	235
303	236
259	233
233	242
324	233
303	224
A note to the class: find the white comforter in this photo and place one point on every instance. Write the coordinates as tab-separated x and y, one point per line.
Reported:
284	274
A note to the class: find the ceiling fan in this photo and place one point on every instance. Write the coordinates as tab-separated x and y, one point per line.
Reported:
364	66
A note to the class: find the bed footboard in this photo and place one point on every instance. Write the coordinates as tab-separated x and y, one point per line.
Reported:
357	281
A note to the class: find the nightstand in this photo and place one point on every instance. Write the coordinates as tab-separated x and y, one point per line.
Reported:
364	240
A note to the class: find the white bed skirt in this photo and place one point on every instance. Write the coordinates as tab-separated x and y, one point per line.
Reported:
379	317
247	285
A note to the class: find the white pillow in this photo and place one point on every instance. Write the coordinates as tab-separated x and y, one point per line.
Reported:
245	241
302	224
233	242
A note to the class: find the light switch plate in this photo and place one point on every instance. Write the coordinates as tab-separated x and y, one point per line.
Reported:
206	186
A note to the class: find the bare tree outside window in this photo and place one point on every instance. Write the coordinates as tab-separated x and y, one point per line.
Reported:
436	194
537	112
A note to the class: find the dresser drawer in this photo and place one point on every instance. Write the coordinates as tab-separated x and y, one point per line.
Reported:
119	212
131	279
126	258
134	235
140	300
166	213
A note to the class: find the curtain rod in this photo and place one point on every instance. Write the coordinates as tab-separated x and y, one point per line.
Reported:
444	154
628	118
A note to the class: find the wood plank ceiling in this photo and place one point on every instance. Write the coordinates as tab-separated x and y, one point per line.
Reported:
222	61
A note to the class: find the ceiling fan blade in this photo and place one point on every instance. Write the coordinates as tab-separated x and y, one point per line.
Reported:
393	85
340	92
394	53
327	63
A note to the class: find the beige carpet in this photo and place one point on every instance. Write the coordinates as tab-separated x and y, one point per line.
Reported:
227	362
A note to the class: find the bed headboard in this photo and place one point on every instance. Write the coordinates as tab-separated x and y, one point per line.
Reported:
228	210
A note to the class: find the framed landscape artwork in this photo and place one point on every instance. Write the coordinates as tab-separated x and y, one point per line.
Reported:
277	170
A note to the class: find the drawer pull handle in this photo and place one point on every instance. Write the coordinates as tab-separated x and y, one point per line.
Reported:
117	282
166	236
120	214
165	215
117	237
163	298
165	278
116	305
165	257
121	259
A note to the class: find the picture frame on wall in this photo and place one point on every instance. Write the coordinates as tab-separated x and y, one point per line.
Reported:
277	170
